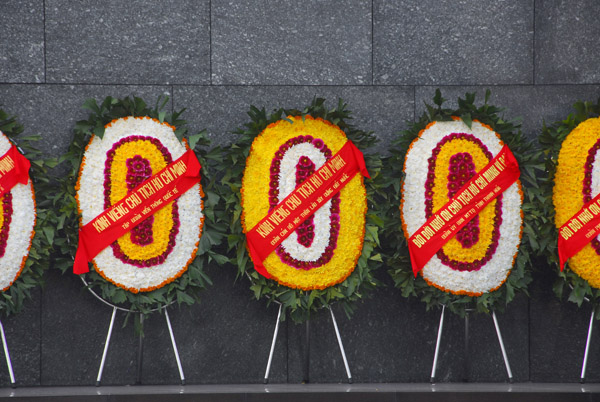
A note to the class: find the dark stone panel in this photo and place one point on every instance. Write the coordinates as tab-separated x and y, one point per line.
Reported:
224	339
379	342
52	110
391	339
484	361
74	329
22	41
290	42
567	39
221	110
431	42
133	42
23	339
534	104
558	334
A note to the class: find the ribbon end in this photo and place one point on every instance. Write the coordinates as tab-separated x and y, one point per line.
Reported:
257	260
80	265
413	263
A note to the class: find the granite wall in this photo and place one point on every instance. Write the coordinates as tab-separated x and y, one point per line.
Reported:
215	58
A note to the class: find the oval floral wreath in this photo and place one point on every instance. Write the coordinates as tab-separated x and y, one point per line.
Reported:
329	257
122	144
24	250
434	159
572	148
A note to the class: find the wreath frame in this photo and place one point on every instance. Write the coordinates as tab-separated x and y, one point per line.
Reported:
397	256
567	284
12	301
300	304
184	290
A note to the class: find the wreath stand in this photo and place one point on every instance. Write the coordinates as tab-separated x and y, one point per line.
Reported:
7	354
306	355
587	344
141	339
466	352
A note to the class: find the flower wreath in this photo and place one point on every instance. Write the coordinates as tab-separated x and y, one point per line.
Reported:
468	271
25	236
274	154
123	143
571	147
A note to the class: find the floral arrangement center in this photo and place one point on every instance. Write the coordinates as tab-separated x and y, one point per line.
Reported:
291	161
124	171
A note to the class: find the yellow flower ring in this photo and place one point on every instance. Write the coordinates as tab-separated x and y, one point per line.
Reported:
324	250
158	250
444	156
17	223
576	182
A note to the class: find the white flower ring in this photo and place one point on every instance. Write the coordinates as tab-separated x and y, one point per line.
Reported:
131	150
17	217
479	259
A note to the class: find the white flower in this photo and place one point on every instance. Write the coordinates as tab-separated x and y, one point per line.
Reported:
491	275
91	204
21	229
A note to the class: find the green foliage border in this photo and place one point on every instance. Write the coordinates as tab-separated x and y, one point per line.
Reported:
568	284
397	256
184	290
299	304
12	300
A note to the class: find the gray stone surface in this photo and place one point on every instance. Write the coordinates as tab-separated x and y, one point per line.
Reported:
533	105
567	39
52	110
221	110
419	42
133	42
290	42
22	41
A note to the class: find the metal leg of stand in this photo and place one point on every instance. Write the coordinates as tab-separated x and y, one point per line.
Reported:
266	380
339	339
307	354
181	376
467	361
510	376
140	351
587	346
110	328
437	345
8	362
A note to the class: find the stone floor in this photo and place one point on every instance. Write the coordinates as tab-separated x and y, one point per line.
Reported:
531	392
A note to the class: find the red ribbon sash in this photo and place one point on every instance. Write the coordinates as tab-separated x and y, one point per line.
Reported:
14	168
485	186
146	199
579	230
305	200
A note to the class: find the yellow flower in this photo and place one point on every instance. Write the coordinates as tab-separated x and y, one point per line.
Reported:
353	206
453	249
568	196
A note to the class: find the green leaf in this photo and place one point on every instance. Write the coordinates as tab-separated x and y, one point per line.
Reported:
49	233
466	118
